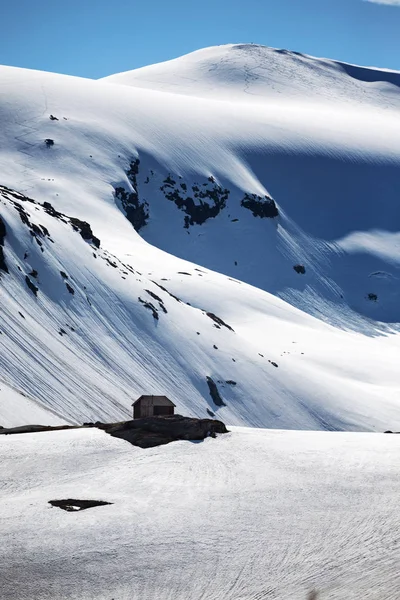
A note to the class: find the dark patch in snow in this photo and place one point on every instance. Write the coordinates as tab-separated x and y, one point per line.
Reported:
49	142
214	393
260	207
85	230
72	505
149	432
159	300
70	289
165	290
203	203
151	307
3	232
136	212
372	297
31	285
300	269
219	321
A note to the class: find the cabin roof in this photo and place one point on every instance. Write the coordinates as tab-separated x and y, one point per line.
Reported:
154	399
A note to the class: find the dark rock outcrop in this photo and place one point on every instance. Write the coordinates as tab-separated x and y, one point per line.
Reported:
85	230
151	307
300	269
260	207
147	432
72	505
156	431
205	202
34	429
34	289
136	211
218	321
3	266
214	393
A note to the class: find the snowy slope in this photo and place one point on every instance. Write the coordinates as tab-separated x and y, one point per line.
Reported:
254	514
327	163
253	73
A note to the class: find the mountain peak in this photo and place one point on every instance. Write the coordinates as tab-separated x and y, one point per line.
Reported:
253	72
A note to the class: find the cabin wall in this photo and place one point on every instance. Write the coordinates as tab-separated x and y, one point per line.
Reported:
149	407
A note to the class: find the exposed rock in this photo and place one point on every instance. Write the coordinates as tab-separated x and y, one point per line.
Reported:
156	431
260	207
214	393
3	266
85	230
205	202
136	212
34	428
300	269
145	433
165	290
49	142
31	285
219	321
151	307
159	300
72	505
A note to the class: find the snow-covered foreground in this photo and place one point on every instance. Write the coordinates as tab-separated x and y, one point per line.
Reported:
191	153
252	515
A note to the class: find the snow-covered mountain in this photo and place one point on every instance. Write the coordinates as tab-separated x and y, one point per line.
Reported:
232	214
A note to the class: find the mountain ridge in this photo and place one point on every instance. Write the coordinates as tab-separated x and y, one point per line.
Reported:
279	219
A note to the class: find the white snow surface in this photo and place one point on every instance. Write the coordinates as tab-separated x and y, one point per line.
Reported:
253	514
321	138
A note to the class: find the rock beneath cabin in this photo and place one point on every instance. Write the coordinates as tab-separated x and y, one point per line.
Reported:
149	432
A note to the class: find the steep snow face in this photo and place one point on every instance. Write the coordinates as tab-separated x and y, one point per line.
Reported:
251	514
253	73
85	332
297	198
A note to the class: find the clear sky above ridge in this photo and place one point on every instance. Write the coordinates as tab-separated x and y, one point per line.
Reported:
95	38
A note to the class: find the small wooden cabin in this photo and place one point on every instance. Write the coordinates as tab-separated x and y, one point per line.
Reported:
152	406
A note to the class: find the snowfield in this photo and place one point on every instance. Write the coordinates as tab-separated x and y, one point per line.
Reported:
243	224
254	514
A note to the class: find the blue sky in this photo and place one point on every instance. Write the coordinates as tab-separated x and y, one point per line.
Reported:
94	38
